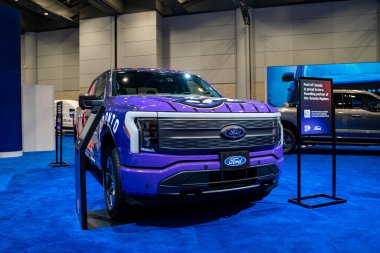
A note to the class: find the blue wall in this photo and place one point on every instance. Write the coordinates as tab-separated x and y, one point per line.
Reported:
10	81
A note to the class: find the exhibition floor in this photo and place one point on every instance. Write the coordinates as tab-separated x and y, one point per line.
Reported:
37	212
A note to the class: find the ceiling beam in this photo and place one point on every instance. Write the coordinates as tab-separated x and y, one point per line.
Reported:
174	6
109	7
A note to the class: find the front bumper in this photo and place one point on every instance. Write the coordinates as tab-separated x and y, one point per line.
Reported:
203	176
258	178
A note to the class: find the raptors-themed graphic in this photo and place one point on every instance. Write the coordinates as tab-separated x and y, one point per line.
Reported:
205	102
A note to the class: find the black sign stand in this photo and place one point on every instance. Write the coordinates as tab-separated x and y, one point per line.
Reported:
58	137
299	199
80	164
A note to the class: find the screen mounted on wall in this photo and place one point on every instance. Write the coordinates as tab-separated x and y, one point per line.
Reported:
281	88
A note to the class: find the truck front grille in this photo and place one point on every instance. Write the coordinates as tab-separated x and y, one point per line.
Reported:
193	135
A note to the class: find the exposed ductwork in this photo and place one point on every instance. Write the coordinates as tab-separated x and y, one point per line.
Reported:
60	15
45	15
59	9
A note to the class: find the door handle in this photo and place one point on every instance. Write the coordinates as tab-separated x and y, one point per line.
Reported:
356	115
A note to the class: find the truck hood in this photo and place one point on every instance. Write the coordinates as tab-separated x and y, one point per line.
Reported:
187	104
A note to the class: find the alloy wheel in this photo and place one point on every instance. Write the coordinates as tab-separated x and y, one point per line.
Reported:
110	183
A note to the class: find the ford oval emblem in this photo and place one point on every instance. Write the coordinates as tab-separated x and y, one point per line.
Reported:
232	132
235	160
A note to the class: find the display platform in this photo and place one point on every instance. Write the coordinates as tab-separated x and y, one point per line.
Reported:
44	198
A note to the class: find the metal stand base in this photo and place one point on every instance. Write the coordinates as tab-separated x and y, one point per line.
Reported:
100	219
335	201
60	164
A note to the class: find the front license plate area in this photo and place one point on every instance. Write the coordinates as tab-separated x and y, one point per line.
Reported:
235	160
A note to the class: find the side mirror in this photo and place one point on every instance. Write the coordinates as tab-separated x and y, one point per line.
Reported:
288	77
87	101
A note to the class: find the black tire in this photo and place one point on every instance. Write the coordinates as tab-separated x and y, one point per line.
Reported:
290	141
114	197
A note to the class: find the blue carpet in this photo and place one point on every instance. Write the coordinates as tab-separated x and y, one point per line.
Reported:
37	212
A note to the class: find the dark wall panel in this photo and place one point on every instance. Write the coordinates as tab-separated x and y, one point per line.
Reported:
10	81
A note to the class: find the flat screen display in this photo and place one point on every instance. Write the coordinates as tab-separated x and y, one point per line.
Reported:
348	76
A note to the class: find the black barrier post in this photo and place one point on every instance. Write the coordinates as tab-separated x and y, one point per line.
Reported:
298	145
56	148
333	125
80	164
58	136
322	85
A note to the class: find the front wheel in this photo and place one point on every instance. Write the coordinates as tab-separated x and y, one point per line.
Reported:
113	193
290	141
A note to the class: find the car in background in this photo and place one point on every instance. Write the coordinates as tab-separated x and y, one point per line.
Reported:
357	115
170	135
68	113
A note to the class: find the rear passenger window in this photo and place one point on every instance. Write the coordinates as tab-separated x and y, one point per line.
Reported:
338	101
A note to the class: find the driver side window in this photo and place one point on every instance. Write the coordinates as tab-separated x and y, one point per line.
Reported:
100	86
97	88
91	90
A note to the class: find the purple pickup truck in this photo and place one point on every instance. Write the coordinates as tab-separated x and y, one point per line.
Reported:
169	135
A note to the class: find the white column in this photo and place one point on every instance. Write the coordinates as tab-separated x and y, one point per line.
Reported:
96	48
139	40
30	55
242	57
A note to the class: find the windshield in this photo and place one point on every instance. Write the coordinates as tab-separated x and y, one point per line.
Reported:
159	83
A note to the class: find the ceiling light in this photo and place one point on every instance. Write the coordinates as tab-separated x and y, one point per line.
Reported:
45	13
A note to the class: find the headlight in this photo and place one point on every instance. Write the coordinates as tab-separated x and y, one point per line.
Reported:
281	133
148	132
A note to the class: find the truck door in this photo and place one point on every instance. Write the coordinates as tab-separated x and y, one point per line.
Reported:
364	116
95	140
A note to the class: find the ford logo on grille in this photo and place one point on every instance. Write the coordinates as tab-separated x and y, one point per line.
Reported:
232	132
235	160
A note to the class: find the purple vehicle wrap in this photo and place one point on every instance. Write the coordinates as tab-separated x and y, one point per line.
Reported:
174	144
